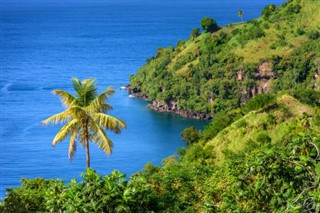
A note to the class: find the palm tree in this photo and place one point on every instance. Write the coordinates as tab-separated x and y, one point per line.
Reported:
240	14
86	118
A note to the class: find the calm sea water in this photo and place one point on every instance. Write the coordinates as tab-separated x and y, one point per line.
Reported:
44	44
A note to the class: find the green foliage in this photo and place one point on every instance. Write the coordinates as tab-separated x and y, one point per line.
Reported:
30	197
220	71
263	138
264	161
293	8
190	135
209	24
300	31
267	10
195	33
308	96
258	102
85	118
314	34
263	175
220	121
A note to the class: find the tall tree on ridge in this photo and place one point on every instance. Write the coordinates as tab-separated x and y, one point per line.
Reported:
240	14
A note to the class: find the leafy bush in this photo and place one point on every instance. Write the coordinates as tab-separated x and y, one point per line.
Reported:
314	34
260	101
195	33
267	10
220	121
300	31
209	24
263	138
293	8
308	96
30	197
190	135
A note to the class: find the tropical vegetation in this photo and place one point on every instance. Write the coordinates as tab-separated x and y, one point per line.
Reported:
261	151
86	118
219	70
265	161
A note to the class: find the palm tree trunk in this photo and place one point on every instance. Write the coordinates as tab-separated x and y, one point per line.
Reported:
87	145
87	153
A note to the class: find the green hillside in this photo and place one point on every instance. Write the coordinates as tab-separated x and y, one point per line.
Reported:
273	124
266	161
261	152
215	71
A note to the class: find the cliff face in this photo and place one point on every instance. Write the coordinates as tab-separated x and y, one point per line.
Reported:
264	74
171	106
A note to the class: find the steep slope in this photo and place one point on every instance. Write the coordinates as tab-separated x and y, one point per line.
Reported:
271	124
221	70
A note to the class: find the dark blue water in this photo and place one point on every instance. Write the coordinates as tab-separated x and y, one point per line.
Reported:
44	44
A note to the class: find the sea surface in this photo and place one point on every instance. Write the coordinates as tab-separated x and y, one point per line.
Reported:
46	43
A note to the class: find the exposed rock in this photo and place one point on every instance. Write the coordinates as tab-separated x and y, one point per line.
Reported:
247	94
317	78
240	75
137	93
264	75
171	106
265	71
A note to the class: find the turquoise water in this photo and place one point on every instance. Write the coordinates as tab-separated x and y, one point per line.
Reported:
44	44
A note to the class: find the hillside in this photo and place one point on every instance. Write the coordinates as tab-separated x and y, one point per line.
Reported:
272	123
215	71
261	152
266	161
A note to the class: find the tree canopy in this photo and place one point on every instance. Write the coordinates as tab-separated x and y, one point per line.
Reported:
209	24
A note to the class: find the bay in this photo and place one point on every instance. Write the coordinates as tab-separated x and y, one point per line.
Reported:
46	43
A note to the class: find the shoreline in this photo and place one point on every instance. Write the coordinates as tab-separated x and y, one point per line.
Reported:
171	106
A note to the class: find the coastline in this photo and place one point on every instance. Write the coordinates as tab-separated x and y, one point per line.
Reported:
171	106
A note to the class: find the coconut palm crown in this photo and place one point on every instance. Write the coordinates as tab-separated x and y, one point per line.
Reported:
85	118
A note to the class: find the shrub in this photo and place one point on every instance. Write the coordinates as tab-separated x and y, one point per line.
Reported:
209	24
263	138
261	100
267	10
308	96
313	34
293	8
195	33
220	121
300	31
190	135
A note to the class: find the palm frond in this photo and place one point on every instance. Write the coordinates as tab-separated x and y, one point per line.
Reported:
78	112
76	84
66	98
103	108
99	137
86	90
62	117
109	122
64	131
98	104
72	144
89	90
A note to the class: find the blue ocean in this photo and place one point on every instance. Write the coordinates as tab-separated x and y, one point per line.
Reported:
46	43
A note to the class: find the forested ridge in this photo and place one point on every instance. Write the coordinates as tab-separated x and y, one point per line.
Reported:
259	81
220	69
